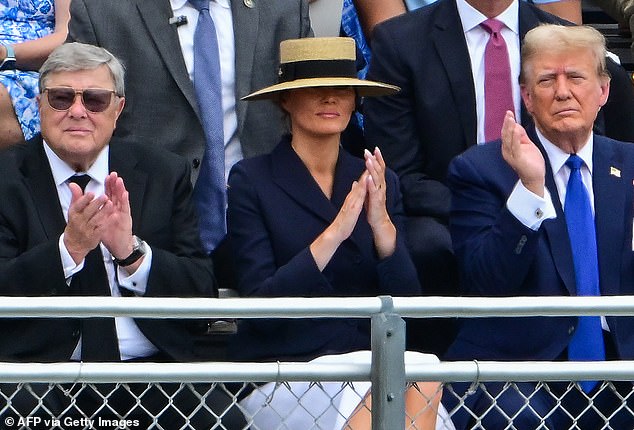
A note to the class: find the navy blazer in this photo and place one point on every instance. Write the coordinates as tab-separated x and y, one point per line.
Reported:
276	210
433	117
499	256
31	222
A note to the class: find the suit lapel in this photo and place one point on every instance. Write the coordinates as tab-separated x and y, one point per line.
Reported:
451	47
38	176
556	229
292	176
155	15
527	21
123	161
609	204
245	30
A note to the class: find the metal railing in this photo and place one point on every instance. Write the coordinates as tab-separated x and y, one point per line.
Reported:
386	371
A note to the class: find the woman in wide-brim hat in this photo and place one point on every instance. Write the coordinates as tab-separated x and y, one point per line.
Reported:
310	219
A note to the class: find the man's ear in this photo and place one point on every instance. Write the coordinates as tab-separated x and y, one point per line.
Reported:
121	104
526	98
605	91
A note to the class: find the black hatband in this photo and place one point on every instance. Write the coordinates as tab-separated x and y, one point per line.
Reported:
317	69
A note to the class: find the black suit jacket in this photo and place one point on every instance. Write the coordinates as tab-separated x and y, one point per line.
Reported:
31	222
433	118
499	256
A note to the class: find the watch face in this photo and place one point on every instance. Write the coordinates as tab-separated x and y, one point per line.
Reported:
8	64
137	243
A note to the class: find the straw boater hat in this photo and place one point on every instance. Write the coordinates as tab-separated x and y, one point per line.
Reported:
320	62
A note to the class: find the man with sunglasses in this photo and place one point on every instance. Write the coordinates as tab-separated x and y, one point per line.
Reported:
85	215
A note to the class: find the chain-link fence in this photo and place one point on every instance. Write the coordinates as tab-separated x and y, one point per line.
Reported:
379	392
90	406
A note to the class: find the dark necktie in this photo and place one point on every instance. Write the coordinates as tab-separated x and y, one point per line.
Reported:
98	335
587	342
210	189
498	91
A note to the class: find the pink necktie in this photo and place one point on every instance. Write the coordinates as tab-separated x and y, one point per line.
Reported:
498	92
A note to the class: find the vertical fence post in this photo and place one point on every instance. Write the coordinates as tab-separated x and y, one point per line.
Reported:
388	368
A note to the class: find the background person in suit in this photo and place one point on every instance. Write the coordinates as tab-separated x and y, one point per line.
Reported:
439	113
516	231
310	220
154	39
132	232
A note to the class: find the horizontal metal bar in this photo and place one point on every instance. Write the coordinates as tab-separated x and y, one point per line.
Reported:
521	371
182	372
476	307
175	307
458	371
314	307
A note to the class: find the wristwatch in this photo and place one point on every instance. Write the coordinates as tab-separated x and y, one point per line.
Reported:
138	250
9	61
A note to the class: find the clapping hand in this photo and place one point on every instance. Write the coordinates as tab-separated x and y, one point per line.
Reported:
522	155
375	203
87	217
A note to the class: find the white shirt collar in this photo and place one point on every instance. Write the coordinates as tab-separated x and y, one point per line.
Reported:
472	18
62	170
558	157
177	4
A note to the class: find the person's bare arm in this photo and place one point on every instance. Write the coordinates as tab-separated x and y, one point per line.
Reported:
566	9
31	54
372	12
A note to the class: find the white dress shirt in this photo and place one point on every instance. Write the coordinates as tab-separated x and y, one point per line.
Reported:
477	38
132	342
220	11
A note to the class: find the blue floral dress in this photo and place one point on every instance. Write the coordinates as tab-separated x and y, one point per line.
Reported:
22	20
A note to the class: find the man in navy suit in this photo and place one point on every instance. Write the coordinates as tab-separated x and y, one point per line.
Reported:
511	235
434	54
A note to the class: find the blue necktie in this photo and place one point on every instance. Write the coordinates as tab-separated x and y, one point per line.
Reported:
587	342
210	190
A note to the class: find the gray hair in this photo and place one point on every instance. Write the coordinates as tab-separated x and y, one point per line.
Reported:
559	38
74	57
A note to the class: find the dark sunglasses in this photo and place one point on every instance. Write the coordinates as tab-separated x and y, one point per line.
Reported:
95	100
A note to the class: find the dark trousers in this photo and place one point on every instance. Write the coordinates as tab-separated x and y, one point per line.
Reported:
560	402
137	403
525	404
429	244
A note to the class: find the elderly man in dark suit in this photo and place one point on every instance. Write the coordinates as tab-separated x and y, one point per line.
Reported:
547	212
435	55
85	216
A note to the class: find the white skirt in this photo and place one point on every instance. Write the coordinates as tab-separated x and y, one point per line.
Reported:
316	405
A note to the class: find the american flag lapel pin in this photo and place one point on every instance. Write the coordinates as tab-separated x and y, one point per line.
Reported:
615	172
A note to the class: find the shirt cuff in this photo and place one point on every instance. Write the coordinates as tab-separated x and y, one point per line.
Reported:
137	281
530	209
68	264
